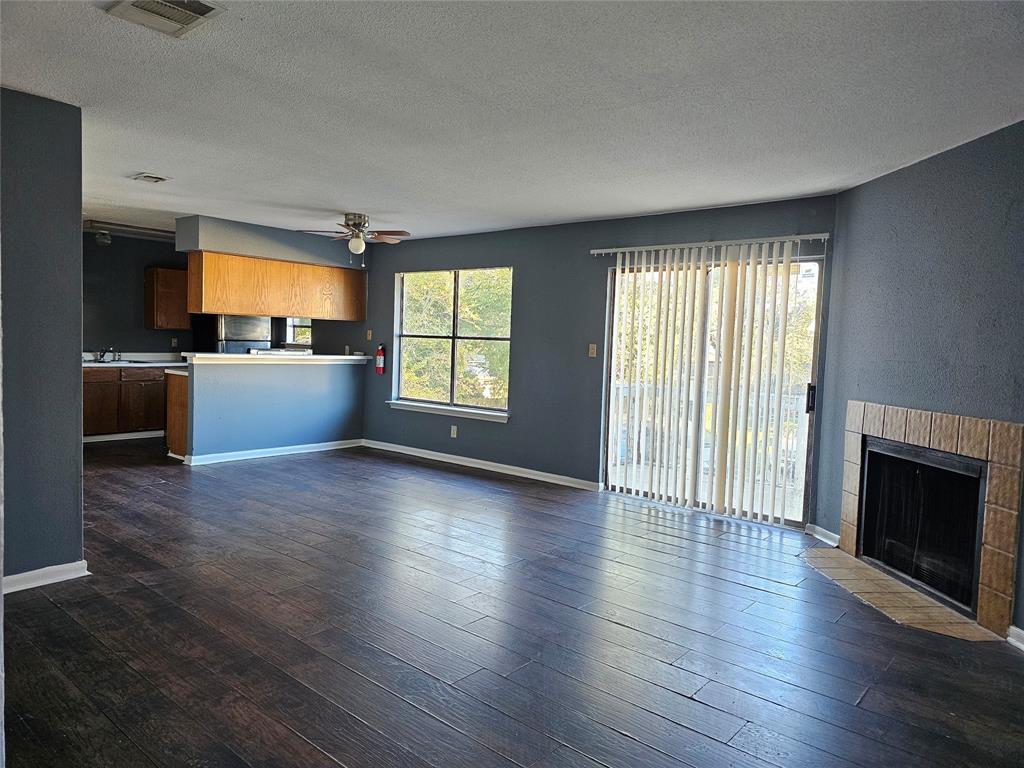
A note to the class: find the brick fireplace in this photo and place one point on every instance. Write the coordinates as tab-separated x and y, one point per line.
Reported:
996	445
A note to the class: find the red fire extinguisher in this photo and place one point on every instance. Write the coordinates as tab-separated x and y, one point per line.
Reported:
380	360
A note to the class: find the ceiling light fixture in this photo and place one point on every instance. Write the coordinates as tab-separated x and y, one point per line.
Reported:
357	245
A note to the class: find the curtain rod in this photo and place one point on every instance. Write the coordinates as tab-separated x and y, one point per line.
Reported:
713	243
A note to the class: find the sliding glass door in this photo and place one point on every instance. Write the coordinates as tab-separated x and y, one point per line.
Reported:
713	349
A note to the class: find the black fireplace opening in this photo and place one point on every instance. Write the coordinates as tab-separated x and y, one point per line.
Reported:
921	516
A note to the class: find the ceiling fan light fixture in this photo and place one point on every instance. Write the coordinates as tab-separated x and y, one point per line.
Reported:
357	245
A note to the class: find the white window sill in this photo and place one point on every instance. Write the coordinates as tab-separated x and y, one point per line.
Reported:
456	411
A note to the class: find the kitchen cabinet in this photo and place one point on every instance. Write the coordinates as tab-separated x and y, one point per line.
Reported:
118	399
177	415
141	400
100	393
225	284
167	298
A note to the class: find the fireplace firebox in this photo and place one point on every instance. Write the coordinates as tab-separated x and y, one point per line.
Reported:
921	518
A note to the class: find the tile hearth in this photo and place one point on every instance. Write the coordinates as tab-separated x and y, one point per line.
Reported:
998	443
902	604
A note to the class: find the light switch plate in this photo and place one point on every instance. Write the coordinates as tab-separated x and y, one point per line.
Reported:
369	335
592	350
455	430
174	342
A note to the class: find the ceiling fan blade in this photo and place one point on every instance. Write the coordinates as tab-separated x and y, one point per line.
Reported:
393	232
379	238
342	237
319	231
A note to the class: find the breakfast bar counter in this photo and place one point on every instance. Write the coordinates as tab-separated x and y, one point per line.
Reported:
227	407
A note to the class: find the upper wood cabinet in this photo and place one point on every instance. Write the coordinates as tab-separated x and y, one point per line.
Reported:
225	284
167	298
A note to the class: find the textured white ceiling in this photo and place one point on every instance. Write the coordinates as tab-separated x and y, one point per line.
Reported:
459	117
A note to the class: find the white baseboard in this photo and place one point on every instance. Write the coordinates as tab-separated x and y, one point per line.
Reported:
491	466
832	539
1015	637
259	453
123	436
448	458
49	575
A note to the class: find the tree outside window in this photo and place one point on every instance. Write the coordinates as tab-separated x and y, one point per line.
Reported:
454	337
299	331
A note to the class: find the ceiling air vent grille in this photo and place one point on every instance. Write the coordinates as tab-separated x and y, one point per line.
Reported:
171	17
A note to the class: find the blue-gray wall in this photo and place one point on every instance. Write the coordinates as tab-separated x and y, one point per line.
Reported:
113	295
195	233
270	405
927	297
559	302
40	222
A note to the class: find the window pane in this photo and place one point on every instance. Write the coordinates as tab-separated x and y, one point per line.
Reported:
299	330
485	302
427	303
426	369
481	373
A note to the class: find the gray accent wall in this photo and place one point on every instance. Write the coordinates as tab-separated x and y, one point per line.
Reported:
113	295
927	297
195	233
40	221
272	405
559	303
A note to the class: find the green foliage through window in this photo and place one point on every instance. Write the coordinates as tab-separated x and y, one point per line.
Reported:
299	330
456	360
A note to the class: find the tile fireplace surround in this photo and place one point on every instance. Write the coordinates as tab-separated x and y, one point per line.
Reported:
998	443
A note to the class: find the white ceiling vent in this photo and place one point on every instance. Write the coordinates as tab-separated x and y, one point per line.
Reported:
172	17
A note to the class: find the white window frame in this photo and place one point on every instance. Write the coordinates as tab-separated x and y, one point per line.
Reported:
290	325
451	408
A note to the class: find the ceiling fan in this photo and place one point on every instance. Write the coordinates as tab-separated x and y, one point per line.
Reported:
356	230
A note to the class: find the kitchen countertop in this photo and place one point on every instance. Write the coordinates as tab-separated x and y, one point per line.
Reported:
216	358
127	364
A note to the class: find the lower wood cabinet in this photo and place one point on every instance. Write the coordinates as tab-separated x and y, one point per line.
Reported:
177	415
100	400
141	406
122	400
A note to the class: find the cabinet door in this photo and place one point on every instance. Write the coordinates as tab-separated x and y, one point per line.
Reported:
155	410
221	283
141	406
167	298
99	407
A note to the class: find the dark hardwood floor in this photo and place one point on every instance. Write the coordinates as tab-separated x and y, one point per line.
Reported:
359	609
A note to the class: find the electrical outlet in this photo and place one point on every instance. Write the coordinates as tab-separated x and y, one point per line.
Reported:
455	431
369	335
592	350
174	342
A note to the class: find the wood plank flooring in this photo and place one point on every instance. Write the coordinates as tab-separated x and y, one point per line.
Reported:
358	609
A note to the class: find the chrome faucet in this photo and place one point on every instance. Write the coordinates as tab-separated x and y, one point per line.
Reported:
102	354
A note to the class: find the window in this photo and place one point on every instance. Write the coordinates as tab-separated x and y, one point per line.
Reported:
299	331
453	337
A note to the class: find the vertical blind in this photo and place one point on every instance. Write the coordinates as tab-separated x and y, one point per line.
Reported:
697	413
